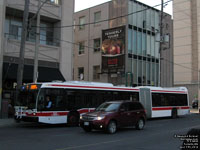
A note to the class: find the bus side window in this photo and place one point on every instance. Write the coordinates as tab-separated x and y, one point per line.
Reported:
156	99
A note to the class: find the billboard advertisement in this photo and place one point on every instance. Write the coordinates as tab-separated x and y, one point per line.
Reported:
113	48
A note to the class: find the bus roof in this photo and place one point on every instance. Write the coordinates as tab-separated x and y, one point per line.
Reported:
86	85
106	86
153	88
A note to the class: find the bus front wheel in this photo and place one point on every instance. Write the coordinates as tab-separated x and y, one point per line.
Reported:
73	119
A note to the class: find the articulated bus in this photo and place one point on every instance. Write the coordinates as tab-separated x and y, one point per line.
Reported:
72	99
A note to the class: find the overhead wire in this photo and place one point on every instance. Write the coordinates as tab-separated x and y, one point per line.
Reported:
104	21
96	22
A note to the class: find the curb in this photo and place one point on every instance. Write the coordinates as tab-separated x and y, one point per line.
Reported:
6	122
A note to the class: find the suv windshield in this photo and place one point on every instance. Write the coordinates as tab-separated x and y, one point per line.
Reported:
108	107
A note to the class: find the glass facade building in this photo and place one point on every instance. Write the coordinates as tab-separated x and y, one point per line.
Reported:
139	64
143	44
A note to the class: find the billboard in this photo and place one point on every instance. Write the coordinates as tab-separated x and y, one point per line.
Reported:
113	48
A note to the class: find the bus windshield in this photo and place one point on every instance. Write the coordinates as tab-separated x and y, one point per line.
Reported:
27	97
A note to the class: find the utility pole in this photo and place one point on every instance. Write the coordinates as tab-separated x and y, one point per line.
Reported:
2	18
198	97
161	40
22	45
35	73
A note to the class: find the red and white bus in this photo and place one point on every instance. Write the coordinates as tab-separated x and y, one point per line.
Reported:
165	102
73	98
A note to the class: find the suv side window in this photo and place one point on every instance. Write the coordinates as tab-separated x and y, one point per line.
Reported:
138	106
125	106
135	106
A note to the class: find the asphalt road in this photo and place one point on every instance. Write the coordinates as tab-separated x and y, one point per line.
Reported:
158	134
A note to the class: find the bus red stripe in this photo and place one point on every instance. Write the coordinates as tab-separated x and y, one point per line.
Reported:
183	92
186	107
83	111
162	108
46	114
94	87
169	108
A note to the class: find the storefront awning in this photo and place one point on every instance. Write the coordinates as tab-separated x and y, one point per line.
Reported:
46	74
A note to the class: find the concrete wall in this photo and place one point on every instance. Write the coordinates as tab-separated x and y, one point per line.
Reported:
167	53
46	53
60	15
182	42
66	53
49	9
186	45
91	32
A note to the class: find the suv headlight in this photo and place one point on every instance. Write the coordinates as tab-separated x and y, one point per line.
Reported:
99	118
81	117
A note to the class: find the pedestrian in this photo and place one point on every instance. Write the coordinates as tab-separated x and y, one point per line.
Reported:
10	109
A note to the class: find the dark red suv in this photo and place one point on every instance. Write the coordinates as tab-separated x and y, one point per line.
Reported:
114	114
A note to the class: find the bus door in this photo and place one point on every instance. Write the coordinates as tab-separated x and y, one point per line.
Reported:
145	99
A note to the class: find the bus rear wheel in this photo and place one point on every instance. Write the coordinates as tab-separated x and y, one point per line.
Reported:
174	113
73	119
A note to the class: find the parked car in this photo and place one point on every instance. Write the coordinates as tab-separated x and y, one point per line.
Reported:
112	115
195	103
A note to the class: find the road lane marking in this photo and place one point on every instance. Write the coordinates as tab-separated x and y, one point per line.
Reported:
88	145
197	126
61	134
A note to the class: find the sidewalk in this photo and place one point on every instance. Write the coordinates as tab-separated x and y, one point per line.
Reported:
196	111
6	122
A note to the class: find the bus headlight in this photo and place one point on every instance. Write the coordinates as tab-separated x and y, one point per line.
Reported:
81	117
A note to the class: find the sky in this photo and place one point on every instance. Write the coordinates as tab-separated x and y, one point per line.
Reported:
83	4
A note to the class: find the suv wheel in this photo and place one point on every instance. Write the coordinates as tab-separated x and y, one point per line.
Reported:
112	127
140	124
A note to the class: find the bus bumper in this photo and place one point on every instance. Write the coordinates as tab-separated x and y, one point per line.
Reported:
26	119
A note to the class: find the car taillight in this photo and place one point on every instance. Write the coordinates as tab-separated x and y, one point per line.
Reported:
145	111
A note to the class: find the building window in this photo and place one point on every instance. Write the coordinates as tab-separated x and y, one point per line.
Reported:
139	43
13	28
97	45
130	41
97	16
144	24
46	33
82	23
15	32
96	72
81	48
55	1
81	73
